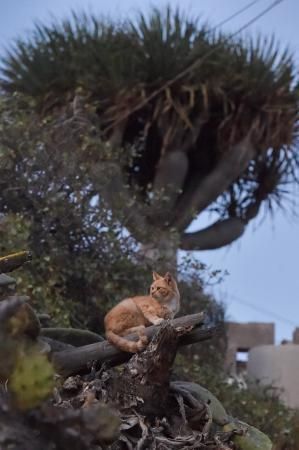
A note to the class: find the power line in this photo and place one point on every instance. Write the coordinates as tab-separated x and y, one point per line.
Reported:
195	64
257	17
263	310
199	61
237	13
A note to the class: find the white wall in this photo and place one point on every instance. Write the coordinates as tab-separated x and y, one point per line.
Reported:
278	366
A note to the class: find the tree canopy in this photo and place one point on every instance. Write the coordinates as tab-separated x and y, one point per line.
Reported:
196	120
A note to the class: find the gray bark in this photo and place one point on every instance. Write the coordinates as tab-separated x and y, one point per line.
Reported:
160	252
230	166
217	235
170	176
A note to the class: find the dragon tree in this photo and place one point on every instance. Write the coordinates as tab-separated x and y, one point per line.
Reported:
175	119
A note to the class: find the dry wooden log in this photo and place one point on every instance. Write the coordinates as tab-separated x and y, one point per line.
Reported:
73	361
144	382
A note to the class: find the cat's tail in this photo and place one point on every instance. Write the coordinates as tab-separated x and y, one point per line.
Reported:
124	344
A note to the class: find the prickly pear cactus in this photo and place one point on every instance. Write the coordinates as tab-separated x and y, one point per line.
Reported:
219	414
32	379
253	439
72	336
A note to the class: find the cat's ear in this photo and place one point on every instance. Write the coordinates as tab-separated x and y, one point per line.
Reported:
156	276
168	278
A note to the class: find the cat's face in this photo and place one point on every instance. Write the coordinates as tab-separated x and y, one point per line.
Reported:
162	289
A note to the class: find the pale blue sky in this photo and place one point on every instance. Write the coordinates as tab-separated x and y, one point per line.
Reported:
263	265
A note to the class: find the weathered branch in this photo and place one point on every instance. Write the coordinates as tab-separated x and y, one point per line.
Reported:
73	361
147	375
217	235
229	168
14	261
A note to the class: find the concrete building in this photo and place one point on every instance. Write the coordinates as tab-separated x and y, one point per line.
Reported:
270	364
242	337
278	366
296	336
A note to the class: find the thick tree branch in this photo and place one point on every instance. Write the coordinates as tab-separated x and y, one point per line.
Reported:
109	180
170	176
172	170
252	210
14	261
72	361
230	166
217	235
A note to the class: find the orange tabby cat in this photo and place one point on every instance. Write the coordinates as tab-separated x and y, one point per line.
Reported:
133	314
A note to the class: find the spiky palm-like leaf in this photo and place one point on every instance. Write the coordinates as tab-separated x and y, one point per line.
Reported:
125	70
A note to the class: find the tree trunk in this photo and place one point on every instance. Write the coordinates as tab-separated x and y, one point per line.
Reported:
160	253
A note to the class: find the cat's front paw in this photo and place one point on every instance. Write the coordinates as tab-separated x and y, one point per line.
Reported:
168	316
158	321
140	346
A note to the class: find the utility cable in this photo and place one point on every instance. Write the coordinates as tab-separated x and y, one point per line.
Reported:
235	14
195	64
262	310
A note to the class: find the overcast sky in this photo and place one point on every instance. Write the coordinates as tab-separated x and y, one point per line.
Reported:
263	265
